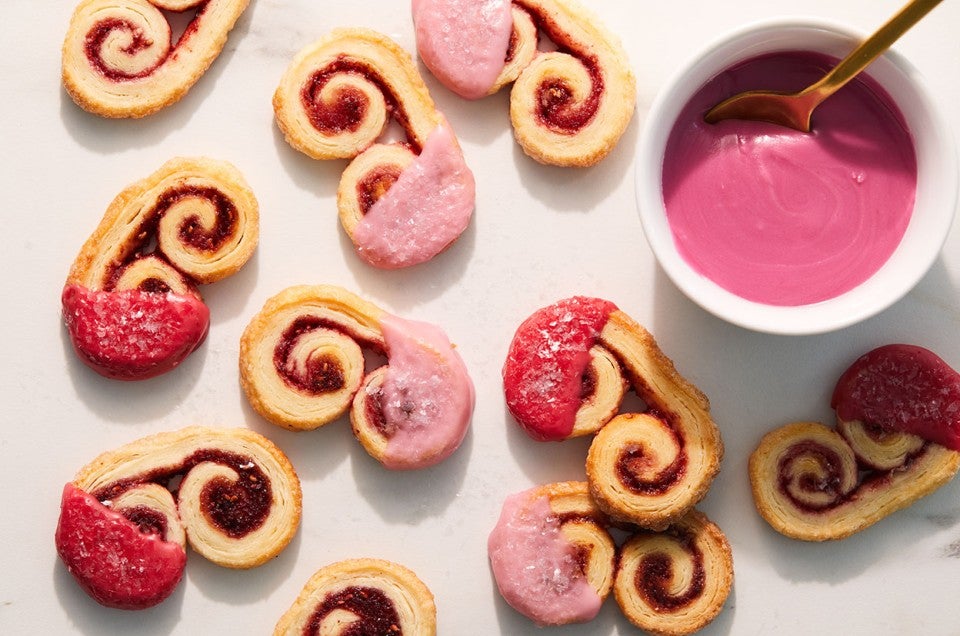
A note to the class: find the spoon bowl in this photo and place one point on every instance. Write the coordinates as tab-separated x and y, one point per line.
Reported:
794	110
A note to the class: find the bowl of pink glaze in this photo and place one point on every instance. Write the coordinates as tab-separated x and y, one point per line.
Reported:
786	232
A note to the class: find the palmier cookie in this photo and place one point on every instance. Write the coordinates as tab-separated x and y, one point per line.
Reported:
122	532
816	483
570	106
362	596
565	374
674	582
119	61
302	366
130	302
401	203
551	555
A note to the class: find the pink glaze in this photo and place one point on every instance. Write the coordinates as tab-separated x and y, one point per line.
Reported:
427	398
464	43
424	211
536	568
543	373
901	387
782	217
112	560
133	334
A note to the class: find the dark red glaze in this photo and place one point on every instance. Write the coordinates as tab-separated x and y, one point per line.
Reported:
133	334
830	482
375	611
631	462
347	112
905	388
235	507
543	375
115	562
654	574
375	184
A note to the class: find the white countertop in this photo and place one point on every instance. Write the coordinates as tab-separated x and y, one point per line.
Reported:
539	234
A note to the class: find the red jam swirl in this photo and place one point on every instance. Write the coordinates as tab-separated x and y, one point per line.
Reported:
830	482
235	507
375	184
347	112
631	463
148	520
376	614
98	35
323	374
655	574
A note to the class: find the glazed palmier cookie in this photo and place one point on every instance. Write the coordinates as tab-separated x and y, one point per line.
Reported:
362	596
674	582
130	302
897	440
302	365
119	61
401	203
569	106
551	554
124	524
564	376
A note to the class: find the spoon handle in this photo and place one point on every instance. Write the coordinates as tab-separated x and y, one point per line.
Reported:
870	49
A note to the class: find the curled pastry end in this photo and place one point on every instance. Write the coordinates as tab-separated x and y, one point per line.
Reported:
675	582
130	302
373	596
551	554
118	59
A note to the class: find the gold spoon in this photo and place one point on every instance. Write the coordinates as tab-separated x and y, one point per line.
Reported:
794	109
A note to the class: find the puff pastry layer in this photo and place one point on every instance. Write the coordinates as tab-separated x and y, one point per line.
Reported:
124	524
119	61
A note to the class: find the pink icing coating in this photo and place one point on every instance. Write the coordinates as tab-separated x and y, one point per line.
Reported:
111	559
427	398
782	217
536	568
133	334
424	211
464	43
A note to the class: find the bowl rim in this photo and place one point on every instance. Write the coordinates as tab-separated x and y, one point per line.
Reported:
832	314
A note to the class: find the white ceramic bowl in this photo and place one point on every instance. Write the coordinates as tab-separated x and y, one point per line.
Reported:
936	197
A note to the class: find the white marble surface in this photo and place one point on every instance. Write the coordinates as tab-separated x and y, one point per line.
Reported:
539	234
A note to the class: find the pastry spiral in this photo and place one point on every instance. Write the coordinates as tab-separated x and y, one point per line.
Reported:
302	366
401	203
130	301
361	596
675	582
551	554
809	484
897	440
565	375
119	61
122	532
570	106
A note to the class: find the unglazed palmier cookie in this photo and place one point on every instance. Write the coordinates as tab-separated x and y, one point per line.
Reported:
675	582
130	302
565	375
122	532
551	555
302	365
569	106
119	61
896	407
401	203
361	596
